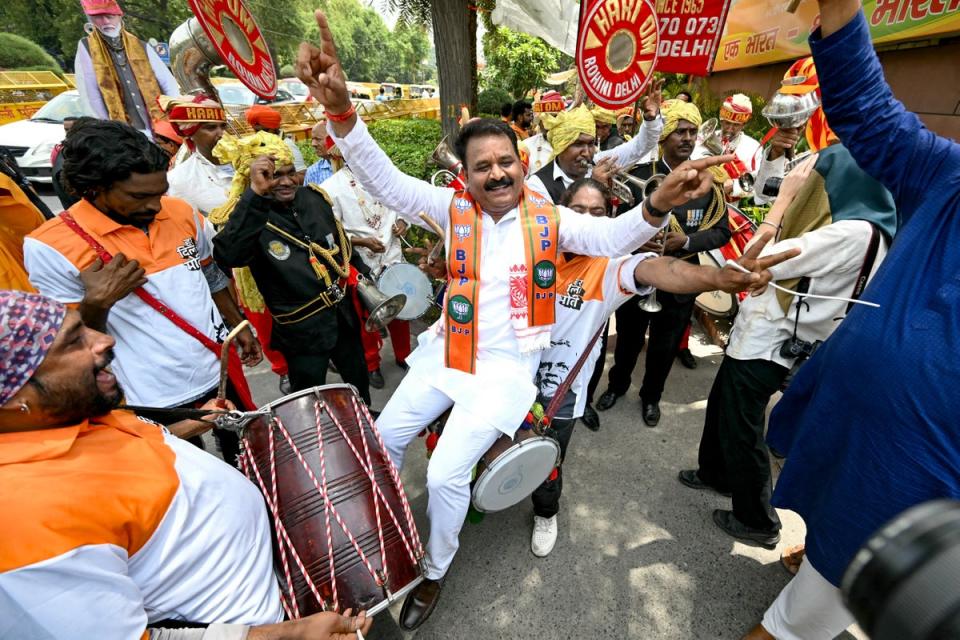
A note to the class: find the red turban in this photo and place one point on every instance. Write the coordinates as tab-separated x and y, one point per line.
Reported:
265	117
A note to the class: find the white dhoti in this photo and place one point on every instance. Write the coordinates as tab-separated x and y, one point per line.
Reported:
466	438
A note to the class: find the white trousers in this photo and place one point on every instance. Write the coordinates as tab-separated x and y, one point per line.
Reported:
808	608
466	437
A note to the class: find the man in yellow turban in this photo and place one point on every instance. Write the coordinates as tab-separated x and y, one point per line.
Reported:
573	136
699	225
300	260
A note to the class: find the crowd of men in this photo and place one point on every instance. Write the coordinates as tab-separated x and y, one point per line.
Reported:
174	231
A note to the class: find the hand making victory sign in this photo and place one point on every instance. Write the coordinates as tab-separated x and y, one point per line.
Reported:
319	68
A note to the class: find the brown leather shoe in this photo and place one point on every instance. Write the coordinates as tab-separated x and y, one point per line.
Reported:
420	603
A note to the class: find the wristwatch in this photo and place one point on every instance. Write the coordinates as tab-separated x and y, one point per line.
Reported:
653	211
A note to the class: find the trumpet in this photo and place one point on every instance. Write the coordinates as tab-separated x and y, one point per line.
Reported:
621	180
650	304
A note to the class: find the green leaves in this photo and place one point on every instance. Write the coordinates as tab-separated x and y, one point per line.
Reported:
517	62
409	144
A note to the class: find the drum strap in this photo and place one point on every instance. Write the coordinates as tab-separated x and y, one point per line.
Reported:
564	387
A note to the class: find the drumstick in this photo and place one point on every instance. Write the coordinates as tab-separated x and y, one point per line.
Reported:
430	222
225	359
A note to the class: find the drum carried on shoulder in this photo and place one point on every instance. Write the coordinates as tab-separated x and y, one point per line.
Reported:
344	534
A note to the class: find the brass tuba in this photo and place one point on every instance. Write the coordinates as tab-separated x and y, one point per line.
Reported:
192	54
621	181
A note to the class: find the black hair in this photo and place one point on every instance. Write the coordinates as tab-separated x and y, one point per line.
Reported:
583	183
506	110
519	108
685	93
482	128
98	153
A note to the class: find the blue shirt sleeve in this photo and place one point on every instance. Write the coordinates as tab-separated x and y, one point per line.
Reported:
887	141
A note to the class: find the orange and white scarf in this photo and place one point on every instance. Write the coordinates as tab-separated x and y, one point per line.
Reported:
539	224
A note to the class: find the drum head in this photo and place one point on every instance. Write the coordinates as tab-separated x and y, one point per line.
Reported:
407	279
515	474
716	303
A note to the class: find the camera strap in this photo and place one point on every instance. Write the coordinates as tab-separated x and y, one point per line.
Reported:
868	260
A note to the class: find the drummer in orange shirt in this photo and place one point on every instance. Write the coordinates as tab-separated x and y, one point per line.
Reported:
172	533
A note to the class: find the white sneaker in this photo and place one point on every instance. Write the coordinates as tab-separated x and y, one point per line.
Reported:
544	535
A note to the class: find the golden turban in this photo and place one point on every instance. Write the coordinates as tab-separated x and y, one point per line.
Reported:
673	111
241	152
604	116
567	126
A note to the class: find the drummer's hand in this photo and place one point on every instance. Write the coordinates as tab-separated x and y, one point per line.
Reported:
374	244
436	269
250	352
320	626
319	68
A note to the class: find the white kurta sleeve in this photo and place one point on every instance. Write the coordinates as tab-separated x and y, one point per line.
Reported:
535	183
611	237
632	152
396	190
836	248
86	81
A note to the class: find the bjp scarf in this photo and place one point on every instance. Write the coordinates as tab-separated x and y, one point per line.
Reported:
539	224
241	152
109	82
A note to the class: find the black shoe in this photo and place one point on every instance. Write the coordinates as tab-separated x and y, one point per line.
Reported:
403	365
590	419
651	413
690	478
420	603
285	387
376	379
736	529
686	359
607	400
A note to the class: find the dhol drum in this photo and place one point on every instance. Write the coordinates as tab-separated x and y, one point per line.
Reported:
344	535
407	279
513	468
716	303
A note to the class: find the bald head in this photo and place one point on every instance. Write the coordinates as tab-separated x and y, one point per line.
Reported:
318	137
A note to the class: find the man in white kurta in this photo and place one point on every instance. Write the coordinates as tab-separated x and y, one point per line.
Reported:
494	399
375	231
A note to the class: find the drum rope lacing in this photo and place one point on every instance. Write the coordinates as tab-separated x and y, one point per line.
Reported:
413	545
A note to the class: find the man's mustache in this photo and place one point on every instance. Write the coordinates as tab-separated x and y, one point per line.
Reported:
506	181
108	357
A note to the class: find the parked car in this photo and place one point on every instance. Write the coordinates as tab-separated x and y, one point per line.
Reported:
236	93
31	141
297	89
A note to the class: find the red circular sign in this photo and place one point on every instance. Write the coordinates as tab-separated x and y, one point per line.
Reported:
233	31
617	50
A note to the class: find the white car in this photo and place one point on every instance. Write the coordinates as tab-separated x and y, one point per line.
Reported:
297	89
31	141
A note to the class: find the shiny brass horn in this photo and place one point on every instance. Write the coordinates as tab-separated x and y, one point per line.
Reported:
622	180
191	57
382	309
444	157
710	136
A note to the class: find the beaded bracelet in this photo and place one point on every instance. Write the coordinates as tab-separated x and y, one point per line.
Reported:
342	117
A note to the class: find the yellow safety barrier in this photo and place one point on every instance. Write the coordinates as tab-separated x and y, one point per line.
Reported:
22	93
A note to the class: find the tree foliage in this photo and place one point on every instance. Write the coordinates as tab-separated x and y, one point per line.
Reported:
17	52
518	62
370	50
